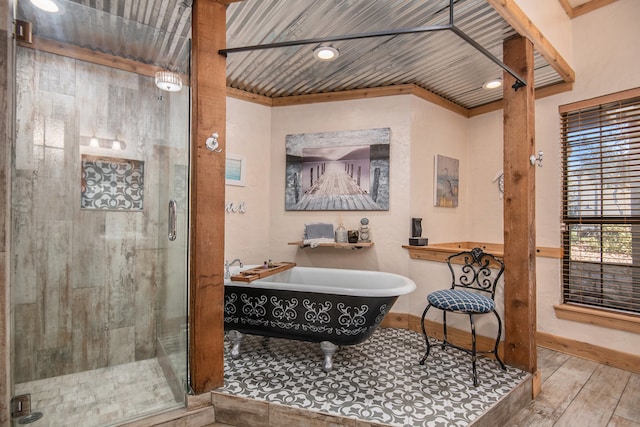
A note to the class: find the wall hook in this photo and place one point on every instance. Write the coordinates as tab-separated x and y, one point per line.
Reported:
212	143
533	159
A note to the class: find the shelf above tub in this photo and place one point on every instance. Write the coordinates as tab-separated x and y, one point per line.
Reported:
358	245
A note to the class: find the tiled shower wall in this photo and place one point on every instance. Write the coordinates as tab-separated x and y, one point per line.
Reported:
87	283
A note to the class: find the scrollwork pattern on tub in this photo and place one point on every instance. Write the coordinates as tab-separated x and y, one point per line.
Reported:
352	316
254	306
321	329
230	303
284	309
317	312
351	332
231	319
254	322
383	311
285	325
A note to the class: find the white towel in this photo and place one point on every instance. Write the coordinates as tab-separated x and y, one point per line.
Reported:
315	242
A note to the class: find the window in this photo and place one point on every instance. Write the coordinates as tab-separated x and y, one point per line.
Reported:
601	202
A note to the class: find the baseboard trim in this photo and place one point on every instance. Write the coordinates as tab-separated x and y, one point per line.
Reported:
617	359
454	335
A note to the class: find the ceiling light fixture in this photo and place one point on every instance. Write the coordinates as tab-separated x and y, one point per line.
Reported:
46	5
326	53
492	84
169	81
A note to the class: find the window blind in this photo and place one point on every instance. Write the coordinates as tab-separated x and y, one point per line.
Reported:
601	203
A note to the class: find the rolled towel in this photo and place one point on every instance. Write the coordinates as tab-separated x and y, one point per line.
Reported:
318	230
314	243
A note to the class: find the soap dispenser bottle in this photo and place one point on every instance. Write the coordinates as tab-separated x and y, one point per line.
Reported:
341	234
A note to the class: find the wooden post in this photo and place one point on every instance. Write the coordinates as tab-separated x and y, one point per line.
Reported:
208	82
519	208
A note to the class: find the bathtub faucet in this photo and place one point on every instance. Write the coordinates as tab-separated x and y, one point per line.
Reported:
227	264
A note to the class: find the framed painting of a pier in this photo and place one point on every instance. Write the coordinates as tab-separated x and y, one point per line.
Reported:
447	172
338	171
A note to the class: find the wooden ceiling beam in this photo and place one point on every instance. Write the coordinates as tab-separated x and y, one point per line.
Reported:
587	7
515	17
408	89
83	54
590	7
568	9
249	96
376	92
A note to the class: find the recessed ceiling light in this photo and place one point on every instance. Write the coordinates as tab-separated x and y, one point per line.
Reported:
492	84
326	53
46	5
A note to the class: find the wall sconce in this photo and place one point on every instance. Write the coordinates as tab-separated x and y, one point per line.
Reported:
533	159
107	144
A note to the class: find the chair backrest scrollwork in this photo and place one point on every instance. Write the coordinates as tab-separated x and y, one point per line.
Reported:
475	269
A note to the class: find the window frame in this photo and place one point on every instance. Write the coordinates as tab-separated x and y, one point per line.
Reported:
581	311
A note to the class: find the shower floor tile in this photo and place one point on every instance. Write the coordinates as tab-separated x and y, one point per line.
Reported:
378	381
99	397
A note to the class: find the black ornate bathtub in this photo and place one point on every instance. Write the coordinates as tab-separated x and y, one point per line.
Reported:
297	304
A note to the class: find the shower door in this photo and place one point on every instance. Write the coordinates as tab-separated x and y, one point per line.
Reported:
99	210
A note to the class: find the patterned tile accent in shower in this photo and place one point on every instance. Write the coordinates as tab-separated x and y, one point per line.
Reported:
379	380
110	183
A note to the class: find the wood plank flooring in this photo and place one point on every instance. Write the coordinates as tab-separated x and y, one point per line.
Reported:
579	392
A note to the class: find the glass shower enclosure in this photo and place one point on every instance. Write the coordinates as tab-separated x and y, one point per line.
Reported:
99	211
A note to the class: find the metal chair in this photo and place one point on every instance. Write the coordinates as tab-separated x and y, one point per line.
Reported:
475	275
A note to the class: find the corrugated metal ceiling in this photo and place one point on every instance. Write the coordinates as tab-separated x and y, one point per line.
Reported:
157	32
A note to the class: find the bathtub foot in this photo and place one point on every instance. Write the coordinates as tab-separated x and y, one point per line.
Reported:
328	349
236	339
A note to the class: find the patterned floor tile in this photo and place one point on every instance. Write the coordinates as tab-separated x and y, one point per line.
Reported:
379	380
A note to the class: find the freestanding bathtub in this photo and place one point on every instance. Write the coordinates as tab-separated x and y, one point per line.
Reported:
330	306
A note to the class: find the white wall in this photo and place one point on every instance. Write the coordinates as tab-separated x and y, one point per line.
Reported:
249	135
606	60
435	131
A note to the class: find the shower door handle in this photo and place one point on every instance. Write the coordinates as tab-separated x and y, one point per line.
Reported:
173	205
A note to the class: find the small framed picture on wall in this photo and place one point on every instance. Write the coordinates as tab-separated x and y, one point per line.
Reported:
446	178
235	170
